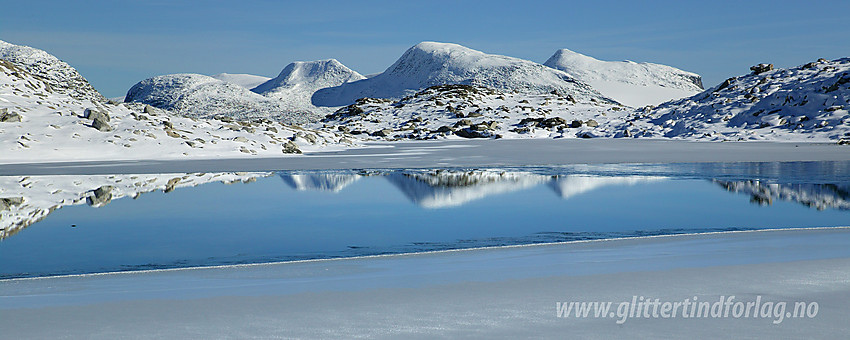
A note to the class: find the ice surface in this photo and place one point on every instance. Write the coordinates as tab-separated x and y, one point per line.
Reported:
490	293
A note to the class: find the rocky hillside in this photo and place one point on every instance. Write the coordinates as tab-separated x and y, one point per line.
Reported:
57	76
630	83
466	111
200	96
432	64
808	102
295	85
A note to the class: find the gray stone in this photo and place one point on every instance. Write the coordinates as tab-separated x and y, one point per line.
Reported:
291	147
469	133
591	123
463	122
8	202
148	109
240	139
761	68
100	196
93	114
6	117
101	125
383	133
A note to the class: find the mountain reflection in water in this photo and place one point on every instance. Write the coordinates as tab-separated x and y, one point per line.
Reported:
25	200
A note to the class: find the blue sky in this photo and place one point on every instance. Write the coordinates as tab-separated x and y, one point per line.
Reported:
118	43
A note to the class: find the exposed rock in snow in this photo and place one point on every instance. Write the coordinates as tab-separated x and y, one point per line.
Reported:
248	81
32	198
808	102
333	182
295	85
455	111
58	76
200	96
431	64
630	83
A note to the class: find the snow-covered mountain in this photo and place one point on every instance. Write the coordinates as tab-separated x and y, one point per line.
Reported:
295	85
248	81
630	83
57	76
43	122
431	64
25	200
200	96
808	102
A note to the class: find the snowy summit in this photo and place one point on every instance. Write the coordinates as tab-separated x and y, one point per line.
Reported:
295	85
630	83
431	64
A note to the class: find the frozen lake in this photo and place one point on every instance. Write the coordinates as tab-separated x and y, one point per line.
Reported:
76	224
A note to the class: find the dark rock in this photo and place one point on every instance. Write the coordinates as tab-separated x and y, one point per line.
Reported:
382	133
444	129
291	147
463	122
469	133
95	114
6	117
8	202
761	68
342	128
100	196
553	122
101	125
576	124
474	115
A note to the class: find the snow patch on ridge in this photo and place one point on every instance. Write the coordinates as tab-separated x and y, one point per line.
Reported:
630	83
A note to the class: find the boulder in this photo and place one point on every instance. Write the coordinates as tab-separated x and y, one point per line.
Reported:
101	125
591	123
761	68
291	147
576	124
100	196
8	202
383	133
6	117
93	114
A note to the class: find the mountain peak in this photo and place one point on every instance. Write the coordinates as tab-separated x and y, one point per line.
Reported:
631	83
62	77
432	63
